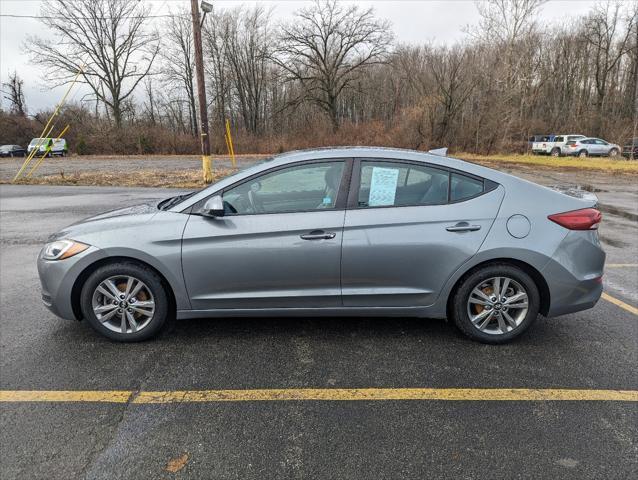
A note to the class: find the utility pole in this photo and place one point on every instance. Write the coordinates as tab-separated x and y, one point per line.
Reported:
201	91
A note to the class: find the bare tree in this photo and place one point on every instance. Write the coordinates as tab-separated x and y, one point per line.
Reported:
13	92
506	21
109	36
248	46
178	66
609	42
327	46
215	35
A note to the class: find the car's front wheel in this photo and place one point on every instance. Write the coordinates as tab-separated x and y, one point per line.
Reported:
125	301
555	152
495	304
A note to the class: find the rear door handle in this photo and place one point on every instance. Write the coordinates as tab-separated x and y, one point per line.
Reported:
463	227
318	235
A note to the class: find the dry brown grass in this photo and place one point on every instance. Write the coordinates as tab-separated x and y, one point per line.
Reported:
191	177
140	178
600	164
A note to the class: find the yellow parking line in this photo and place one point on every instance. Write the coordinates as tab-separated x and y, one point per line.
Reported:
620	303
621	265
323	394
108	396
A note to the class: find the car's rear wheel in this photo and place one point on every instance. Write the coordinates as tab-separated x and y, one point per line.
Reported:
582	153
613	152
125	301
555	152
495	304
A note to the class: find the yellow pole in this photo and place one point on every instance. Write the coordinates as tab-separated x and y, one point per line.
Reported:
35	167
230	143
42	137
227	144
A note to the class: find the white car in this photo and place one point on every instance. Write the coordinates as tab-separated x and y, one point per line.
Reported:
594	147
555	148
56	146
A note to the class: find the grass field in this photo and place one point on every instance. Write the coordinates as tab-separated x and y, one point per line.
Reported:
140	178
184	171
608	165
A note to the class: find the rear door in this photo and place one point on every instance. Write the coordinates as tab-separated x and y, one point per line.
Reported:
408	227
278	246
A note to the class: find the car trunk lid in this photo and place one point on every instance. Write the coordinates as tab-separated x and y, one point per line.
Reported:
581	192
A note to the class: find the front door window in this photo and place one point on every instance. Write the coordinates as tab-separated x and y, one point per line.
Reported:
300	188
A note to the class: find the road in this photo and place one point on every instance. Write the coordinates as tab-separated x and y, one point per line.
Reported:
596	349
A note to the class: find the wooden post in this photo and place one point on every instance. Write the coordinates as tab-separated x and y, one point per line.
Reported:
201	93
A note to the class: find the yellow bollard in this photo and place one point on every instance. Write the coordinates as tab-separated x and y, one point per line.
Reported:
207	168
229	144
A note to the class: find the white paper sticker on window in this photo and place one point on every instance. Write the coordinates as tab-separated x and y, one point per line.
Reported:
383	186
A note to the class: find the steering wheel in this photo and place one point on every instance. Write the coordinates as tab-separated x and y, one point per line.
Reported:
254	203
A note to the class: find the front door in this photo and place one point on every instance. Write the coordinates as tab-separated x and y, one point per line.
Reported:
277	246
410	227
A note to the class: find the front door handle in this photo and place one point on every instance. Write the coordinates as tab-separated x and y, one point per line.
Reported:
318	235
463	227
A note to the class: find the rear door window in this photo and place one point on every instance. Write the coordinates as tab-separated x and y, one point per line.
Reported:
385	184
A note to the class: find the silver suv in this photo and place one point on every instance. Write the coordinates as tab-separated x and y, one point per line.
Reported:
586	147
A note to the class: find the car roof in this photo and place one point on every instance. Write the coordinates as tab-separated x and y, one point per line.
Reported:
389	153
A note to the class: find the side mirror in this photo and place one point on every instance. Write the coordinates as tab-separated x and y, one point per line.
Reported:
214	207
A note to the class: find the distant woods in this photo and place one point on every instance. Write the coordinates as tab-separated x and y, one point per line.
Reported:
332	74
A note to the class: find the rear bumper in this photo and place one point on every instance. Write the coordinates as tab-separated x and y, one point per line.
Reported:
574	273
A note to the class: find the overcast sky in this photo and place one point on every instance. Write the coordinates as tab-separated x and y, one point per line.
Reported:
414	21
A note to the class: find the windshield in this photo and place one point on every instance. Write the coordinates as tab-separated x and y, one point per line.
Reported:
173	201
35	141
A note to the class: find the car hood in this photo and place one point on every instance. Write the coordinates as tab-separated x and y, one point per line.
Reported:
140	209
111	220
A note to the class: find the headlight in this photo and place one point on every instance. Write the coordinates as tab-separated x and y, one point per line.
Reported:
62	249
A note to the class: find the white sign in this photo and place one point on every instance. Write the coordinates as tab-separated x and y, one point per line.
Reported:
383	186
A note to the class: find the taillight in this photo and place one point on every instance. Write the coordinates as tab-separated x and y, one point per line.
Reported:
584	219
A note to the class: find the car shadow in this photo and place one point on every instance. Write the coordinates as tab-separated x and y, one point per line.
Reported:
252	327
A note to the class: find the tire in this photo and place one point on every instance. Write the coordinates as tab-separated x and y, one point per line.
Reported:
583	154
555	152
153	291
461	308
613	152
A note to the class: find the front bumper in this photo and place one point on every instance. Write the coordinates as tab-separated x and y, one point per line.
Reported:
57	278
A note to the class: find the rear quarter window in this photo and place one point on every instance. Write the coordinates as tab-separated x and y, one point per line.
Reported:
463	187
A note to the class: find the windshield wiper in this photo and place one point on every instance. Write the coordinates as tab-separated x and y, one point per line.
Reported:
172	201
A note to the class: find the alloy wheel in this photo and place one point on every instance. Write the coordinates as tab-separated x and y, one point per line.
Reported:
497	305
123	304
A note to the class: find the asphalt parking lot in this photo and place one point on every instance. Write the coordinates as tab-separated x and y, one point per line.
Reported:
593	350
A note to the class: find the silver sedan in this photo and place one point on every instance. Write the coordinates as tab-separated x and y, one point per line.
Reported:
591	147
344	231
